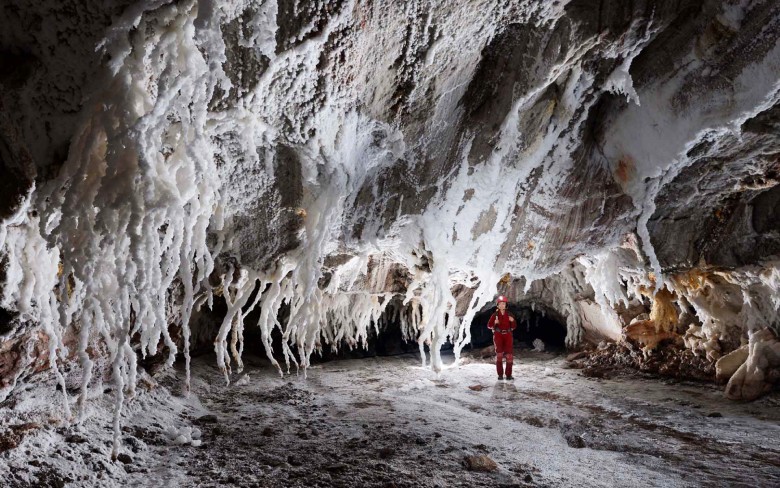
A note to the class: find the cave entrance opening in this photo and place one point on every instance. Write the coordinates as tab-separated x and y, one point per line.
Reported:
532	323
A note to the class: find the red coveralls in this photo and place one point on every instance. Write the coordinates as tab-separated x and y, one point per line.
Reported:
502	325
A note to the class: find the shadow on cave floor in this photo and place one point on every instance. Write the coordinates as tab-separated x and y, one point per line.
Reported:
386	421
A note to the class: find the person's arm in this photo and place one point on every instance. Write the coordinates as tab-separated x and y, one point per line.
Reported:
492	322
512	322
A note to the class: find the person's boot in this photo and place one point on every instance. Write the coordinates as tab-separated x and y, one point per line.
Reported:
509	377
501	377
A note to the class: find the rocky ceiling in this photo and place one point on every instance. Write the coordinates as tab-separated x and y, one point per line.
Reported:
615	162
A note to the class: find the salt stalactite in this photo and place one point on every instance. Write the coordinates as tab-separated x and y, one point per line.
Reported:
409	315
236	291
437	322
31	279
333	313
503	172
565	301
345	149
135	197
270	302
350	315
602	272
14	232
479	234
482	296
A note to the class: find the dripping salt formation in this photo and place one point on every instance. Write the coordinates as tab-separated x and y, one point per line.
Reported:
338	165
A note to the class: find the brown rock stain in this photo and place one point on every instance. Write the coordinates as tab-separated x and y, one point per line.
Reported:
624	170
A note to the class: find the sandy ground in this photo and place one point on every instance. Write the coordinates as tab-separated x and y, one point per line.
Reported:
388	422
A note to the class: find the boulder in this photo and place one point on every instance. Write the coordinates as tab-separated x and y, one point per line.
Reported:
728	364
758	373
480	463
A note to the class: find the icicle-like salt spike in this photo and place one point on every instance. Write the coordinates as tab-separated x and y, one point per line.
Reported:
56	348
242	286
416	318
647	245
483	295
436	301
349	317
270	304
287	294
185	275
86	363
118	365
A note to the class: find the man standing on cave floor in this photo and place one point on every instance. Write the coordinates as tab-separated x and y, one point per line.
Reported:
502	324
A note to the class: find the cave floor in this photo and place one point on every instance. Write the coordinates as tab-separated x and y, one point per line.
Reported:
389	422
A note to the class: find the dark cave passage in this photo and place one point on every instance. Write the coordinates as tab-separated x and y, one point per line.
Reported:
531	324
539	323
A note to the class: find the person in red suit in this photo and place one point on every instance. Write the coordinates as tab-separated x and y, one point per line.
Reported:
502	324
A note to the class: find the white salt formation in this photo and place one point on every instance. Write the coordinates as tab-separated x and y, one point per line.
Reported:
344	167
